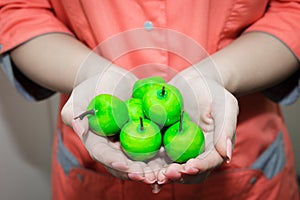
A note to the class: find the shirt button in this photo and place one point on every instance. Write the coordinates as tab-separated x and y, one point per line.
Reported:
148	25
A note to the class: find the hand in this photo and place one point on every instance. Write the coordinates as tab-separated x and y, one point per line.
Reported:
118	82
215	110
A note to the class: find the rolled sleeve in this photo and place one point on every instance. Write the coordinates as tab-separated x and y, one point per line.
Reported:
287	92
27	88
282	21
21	21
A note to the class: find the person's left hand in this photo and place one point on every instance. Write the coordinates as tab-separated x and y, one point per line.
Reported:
108	152
215	110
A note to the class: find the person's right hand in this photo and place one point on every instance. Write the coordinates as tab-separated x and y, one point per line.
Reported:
215	110
118	82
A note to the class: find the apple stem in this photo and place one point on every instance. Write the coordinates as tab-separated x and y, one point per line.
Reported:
180	121
81	116
142	124
163	91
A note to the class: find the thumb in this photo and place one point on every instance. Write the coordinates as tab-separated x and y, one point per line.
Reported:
225	119
67	113
70	118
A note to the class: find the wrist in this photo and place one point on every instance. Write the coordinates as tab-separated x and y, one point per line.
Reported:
92	65
253	62
209	69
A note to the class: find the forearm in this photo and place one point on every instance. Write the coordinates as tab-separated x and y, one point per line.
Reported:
56	60
253	62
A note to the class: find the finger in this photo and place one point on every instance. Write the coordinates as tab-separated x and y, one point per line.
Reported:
118	174
136	171
160	161
191	169
70	111
140	171
67	112
161	177
204	162
156	164
206	121
168	170
77	104
80	126
225	126
150	176
100	149
173	171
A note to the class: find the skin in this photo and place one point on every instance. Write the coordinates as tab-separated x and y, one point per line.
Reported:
63	50
252	62
53	61
243	67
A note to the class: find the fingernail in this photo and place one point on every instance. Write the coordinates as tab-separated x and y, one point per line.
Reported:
191	170
228	151
175	176
119	165
77	127
135	176
161	182
150	181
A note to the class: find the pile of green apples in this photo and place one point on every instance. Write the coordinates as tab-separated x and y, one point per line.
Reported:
153	117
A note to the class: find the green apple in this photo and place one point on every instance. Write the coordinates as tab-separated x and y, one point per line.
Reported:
135	108
141	86
185	117
183	140
140	140
163	104
106	114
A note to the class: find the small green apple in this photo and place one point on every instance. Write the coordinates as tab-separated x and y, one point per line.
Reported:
163	104
141	86
106	114
185	117
183	140
140	140
135	108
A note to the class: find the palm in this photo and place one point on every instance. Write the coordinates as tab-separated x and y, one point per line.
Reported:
104	150
215	110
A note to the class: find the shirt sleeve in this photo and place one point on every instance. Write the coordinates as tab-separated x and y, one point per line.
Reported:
287	92
27	88
281	20
21	21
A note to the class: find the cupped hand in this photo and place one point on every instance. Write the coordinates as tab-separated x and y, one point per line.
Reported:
215	110
118	82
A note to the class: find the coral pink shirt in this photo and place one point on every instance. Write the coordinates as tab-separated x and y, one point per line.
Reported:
162	37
